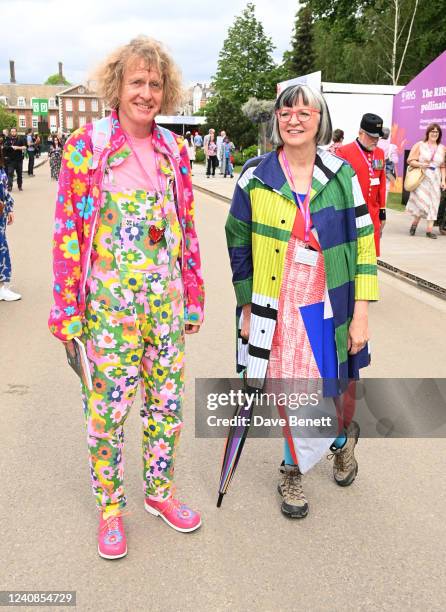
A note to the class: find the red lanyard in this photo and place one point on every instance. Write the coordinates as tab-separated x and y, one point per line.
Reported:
305	205
370	167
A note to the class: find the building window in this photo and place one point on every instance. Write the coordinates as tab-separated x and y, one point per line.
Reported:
82	121
52	103
21	101
4	100
22	121
69	123
35	122
69	105
94	106
53	123
82	106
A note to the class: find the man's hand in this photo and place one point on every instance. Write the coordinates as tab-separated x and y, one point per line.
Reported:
70	347
191	329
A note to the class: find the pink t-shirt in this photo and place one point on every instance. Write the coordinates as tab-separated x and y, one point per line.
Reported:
139	171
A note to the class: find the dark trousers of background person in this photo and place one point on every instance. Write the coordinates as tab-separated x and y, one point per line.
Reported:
212	164
31	155
17	166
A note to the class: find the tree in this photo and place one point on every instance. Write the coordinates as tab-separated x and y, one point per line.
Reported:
246	67
226	114
56	79
376	41
301	58
7	120
259	112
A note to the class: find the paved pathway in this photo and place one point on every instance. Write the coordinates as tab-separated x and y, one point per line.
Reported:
378	545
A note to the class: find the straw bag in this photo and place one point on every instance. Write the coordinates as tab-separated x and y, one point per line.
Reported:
414	177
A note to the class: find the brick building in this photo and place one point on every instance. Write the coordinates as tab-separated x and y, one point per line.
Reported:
78	105
68	107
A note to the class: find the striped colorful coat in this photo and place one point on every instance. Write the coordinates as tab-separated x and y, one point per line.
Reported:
258	229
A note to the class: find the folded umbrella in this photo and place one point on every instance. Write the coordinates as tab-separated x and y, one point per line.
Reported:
234	446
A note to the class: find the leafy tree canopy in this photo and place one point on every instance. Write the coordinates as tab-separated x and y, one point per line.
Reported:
226	114
246	67
7	119
56	79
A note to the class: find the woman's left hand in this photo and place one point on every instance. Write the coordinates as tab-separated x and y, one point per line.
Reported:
191	329
358	334
10	218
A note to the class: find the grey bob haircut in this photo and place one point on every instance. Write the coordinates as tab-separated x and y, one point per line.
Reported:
310	97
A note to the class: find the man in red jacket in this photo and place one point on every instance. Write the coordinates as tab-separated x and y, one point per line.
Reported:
367	161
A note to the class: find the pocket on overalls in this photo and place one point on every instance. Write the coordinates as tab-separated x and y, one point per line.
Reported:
112	330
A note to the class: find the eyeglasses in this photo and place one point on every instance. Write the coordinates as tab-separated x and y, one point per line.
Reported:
302	114
434	132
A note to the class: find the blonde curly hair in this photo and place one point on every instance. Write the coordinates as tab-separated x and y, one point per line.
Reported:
110	74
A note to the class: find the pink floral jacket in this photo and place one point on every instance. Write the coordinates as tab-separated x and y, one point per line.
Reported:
77	209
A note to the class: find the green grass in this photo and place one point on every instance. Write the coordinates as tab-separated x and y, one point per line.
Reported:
394	202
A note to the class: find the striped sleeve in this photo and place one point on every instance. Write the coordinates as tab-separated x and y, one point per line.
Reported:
366	277
238	238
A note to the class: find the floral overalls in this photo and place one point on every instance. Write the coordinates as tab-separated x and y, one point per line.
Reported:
134	332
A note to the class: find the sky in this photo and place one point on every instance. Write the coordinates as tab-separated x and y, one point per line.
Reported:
37	34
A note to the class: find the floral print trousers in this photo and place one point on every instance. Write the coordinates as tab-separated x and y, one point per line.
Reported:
134	334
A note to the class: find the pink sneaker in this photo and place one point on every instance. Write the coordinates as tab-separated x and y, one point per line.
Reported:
112	543
174	513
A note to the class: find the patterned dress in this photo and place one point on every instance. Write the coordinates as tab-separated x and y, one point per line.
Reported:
425	199
55	155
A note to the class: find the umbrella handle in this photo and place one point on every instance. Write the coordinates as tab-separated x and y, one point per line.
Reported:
220	499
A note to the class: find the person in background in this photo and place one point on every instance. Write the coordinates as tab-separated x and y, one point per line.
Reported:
190	145
367	160
55	156
337	140
127	280
390	157
220	151
14	150
211	153
6	218
424	201
38	145
206	140
198	139
302	253
228	147
31	150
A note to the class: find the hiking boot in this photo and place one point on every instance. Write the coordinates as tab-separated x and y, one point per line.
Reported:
294	504
112	543
345	466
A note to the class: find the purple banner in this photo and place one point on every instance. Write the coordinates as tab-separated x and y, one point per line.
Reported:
421	102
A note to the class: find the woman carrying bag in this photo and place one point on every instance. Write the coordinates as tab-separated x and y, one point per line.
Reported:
429	155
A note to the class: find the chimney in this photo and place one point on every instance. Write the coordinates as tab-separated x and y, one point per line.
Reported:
12	71
60	70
